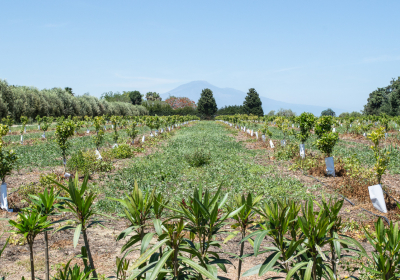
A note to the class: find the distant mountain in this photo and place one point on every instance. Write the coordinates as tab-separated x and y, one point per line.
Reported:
230	96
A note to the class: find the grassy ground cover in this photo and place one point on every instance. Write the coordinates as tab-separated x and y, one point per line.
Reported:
231	165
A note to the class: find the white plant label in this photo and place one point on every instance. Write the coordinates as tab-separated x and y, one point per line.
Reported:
3	196
302	151
377	199
271	144
263	138
256	134
365	135
143	138
98	155
330	166
251	133
22	139
112	126
44	135
87	131
334	129
38	127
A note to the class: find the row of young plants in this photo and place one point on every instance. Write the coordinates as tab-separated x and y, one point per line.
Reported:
326	140
65	130
295	240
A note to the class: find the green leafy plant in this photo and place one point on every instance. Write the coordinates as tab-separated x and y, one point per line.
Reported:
30	224
98	139
198	158
323	125
7	161
243	220
81	205
85	162
64	131
306	123
132	131
327	142
115	120
122	151
24	122
382	157
385	259
44	203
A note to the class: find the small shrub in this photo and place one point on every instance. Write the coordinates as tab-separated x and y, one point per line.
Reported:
198	158
87	163
287	152
122	151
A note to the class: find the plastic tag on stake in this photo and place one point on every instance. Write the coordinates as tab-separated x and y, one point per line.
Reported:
3	196
377	199
330	166
302	150
271	144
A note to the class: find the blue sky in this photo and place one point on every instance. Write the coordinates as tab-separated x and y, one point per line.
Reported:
327	53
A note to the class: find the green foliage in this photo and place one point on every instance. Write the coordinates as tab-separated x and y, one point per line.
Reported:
24	122
386	255
30	224
80	204
382	157
198	158
252	103
7	160
323	125
98	139
64	131
328	112
132	131
327	142
122	151
206	105
85	162
384	100
135	97
306	123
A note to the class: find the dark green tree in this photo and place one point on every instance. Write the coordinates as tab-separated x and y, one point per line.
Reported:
328	112
384	100
135	96
207	105
252	103
69	90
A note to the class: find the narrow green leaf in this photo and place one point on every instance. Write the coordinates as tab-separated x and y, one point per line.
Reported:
77	234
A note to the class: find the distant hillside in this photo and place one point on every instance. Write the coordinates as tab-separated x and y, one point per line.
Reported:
230	96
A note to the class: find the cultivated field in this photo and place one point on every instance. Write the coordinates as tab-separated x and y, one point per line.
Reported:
175	173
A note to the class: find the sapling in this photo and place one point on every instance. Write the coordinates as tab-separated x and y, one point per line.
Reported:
30	224
382	157
132	131
46	123
64	131
115	120
81	205
24	121
39	121
98	139
44	203
326	141
243	220
7	161
88	123
8	121
306	123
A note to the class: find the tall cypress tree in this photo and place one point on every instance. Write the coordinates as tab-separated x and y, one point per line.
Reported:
207	105
252	103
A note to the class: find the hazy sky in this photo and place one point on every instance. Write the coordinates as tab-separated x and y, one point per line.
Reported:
328	53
